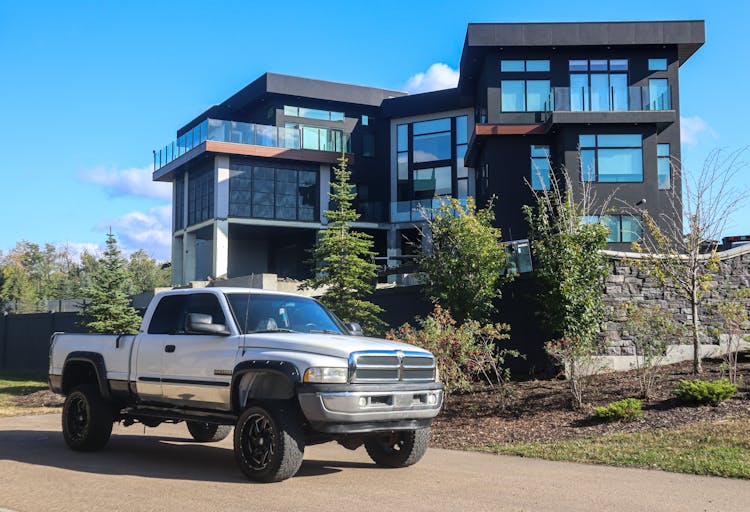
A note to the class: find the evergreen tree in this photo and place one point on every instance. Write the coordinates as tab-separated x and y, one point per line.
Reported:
342	258
110	309
146	273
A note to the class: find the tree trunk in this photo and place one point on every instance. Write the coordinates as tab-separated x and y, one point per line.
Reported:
697	365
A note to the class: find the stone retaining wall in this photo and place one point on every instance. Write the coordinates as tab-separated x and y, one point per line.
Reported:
627	284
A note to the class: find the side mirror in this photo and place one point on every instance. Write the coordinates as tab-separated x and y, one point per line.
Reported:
354	329
198	323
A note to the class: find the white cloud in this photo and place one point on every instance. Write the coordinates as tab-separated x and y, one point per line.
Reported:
76	249
694	128
149	230
134	181
438	76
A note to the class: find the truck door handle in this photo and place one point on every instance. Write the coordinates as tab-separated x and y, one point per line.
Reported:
169	348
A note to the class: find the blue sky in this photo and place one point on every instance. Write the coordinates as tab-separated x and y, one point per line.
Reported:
87	90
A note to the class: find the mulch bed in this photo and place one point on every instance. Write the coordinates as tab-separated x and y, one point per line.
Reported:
540	410
44	398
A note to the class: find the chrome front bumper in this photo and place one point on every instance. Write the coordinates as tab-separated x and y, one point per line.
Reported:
379	404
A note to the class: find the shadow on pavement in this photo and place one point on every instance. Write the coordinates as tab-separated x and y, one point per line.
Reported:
144	456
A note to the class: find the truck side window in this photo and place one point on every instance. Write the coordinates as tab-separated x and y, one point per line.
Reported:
207	304
168	316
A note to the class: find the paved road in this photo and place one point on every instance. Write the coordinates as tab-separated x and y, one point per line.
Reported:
163	470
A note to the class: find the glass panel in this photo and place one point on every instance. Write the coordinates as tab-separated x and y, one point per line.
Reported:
613	223
313	113
631	229
310	137
291	111
463	189
579	93
664	170
436	125
432	182
513	95
658	93
402	131
461	170
599	91
338	116
618	88
537	65
618	65
598	65
620	165
216	130
537	95
403	166
539	151
368	144
587	141
365	120
511	65
657	64
239	190
662	150
588	165
435	146
540	172
265	135
578	65
619	141
462	127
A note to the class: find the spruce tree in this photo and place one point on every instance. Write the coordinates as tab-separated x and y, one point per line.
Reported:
342	258
109	310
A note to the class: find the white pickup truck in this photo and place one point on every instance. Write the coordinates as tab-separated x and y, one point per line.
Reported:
280	368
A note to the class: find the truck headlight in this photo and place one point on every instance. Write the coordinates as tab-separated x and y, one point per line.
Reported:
326	375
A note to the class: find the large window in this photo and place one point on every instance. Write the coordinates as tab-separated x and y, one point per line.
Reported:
200	196
622	228
598	84
664	166
179	203
312	113
540	167
271	193
432	140
611	158
462	172
525	95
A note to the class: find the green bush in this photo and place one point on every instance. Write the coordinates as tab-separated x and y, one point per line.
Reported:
627	409
705	392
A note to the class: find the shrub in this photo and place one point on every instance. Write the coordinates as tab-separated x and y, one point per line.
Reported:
705	392
464	352
628	409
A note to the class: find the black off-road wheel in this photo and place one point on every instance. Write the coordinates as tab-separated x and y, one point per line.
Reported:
87	420
268	442
399	448
208	432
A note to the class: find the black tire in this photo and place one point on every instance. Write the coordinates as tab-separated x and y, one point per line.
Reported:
208	432
268	442
399	448
87	420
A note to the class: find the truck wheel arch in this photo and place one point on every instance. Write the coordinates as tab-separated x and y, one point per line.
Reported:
80	367
263	380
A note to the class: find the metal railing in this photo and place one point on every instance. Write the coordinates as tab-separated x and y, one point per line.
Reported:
303	137
588	99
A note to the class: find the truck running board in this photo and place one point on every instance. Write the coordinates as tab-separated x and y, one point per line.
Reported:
176	414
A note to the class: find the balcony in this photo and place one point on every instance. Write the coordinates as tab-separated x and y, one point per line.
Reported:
418	210
234	132
616	99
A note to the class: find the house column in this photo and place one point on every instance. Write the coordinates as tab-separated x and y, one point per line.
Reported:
177	251
220	258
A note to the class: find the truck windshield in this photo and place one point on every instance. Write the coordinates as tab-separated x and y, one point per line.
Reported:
257	312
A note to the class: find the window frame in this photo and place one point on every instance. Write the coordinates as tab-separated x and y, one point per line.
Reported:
597	148
525	99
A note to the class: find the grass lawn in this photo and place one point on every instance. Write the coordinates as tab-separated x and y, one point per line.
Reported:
716	448
16	386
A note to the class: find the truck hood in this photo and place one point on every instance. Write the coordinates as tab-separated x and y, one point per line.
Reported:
333	345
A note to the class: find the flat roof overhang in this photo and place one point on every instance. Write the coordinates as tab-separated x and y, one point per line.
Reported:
166	173
481	38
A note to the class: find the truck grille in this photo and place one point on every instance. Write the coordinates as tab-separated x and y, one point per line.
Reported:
391	366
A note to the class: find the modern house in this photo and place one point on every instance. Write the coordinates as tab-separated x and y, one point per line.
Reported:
251	175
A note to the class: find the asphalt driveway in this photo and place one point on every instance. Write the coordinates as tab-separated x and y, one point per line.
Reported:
162	469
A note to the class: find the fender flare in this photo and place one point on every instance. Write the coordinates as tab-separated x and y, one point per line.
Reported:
96	360
284	368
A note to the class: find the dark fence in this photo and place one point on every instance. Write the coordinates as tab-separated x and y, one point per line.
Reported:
24	339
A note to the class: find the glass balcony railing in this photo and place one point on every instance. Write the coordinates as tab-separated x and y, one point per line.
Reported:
418	210
303	137
588	99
